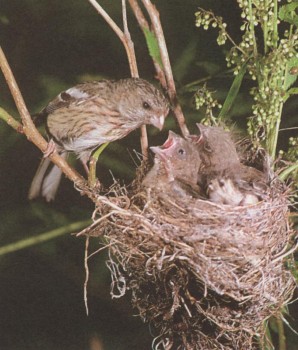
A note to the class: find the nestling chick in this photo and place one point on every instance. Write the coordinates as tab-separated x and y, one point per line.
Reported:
90	114
217	151
176	166
225	191
220	163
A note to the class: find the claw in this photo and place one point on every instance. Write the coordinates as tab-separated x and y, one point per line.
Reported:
51	148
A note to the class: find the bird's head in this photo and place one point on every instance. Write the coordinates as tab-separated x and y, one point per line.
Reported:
216	145
170	148
142	103
181	155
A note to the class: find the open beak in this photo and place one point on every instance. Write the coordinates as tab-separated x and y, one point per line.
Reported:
163	151
158	151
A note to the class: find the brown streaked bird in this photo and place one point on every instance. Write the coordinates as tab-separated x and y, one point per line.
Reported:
90	114
175	168
222	174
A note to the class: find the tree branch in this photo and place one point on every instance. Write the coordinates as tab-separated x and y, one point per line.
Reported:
156	24
29	128
10	120
143	23
125	38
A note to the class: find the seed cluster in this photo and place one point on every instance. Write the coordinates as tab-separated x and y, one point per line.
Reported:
204	98
206	19
270	57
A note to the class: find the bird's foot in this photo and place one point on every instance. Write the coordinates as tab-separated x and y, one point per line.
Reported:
51	148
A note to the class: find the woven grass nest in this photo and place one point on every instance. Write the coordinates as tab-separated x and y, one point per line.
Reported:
204	275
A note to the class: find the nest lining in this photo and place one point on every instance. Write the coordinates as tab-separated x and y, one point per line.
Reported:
206	276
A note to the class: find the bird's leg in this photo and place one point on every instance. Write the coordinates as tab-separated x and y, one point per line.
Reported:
84	163
51	148
92	180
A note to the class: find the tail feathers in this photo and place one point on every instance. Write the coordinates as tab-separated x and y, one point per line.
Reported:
37	181
51	184
46	186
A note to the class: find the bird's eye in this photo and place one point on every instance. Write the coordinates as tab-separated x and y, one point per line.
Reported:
146	105
207	148
181	151
65	96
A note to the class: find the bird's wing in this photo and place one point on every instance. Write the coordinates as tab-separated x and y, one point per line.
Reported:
75	95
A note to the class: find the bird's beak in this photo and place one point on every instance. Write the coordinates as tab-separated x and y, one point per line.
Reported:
158	122
155	149
196	139
158	151
171	140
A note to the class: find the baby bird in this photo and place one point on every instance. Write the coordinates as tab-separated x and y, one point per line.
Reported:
225	191
222	175
175	168
90	114
217	151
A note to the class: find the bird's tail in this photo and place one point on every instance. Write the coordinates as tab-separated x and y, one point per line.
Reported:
46	185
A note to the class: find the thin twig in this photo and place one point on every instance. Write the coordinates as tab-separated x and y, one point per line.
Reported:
87	275
29	128
44	237
127	42
156	24
125	38
134	73
10	120
119	33
143	23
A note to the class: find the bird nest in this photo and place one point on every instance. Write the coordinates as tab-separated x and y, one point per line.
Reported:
205	276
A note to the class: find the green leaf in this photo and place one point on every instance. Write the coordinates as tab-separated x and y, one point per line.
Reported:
287	13
288	171
292	91
233	92
152	45
290	78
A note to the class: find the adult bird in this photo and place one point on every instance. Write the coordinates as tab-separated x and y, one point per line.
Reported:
90	114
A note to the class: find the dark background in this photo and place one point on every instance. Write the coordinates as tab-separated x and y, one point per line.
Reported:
52	45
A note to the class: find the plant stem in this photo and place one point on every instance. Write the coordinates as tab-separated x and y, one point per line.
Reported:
93	162
156	24
44	237
252	29
10	120
281	334
29	128
265	30
125	38
266	341
274	132
143	23
275	24
288	171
